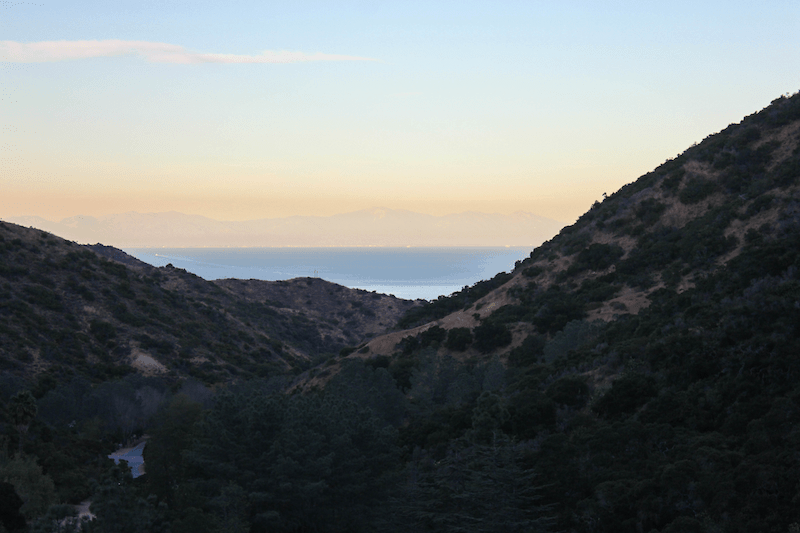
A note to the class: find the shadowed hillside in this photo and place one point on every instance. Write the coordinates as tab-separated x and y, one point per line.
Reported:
651	347
637	373
98	312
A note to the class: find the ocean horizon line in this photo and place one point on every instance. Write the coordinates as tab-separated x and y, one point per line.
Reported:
454	246
406	272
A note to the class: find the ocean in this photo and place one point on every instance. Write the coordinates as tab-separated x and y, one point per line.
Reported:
409	273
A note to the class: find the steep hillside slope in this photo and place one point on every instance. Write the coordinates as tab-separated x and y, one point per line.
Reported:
637	373
671	228
651	348
99	312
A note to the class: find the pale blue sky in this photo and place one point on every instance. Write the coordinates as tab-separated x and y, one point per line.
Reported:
488	106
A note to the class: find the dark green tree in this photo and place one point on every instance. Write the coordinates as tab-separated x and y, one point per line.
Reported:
10	503
458	339
23	409
475	488
34	487
120	508
304	463
491	335
371	388
172	433
61	518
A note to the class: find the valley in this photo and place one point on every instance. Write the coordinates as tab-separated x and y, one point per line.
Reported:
637	372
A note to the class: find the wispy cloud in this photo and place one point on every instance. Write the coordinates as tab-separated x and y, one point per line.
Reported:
46	51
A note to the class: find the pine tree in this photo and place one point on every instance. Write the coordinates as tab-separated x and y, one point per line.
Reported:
476	488
23	409
119	509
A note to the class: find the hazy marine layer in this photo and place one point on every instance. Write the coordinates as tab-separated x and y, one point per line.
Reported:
371	227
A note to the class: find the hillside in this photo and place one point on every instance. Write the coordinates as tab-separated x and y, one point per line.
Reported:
639	372
686	220
651	346
95	311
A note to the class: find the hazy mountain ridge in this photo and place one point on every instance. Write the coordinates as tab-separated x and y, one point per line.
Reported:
370	227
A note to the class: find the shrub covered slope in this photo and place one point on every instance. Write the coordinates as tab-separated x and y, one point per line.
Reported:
652	347
637	373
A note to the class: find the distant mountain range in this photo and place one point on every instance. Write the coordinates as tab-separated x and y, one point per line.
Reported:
369	227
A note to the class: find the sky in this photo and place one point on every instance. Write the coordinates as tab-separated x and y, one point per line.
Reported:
242	110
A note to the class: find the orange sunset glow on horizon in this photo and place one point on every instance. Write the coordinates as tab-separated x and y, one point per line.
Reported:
436	108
